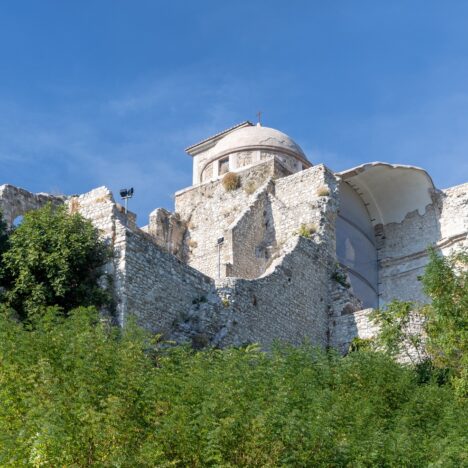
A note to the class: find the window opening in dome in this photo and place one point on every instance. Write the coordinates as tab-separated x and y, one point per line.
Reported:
223	166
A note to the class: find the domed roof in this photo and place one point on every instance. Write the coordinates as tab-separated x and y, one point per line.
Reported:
255	137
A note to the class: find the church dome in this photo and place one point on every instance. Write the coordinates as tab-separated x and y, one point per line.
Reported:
258	137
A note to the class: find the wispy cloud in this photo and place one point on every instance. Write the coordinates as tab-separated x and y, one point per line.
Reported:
136	138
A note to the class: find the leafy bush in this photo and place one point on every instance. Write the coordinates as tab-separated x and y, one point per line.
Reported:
3	234
230	181
3	245
443	344
445	281
53	258
77	392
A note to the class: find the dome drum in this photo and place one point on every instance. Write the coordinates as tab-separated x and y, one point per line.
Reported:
248	146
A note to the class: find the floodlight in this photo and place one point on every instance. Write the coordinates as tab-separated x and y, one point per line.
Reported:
125	194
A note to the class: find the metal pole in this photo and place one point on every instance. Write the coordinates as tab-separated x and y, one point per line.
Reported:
219	261
126	205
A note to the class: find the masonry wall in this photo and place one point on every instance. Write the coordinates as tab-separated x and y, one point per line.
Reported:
276	214
158	286
402	247
299	199
149	283
15	201
454	213
208	210
402	256
344	328
289	304
290	301
99	207
251	238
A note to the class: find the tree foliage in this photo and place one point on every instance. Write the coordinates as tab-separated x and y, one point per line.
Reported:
446	283
78	392
443	343
3	234
399	334
53	258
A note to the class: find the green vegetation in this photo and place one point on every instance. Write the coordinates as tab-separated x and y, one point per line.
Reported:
53	259
3	244
443	348
340	276
306	230
446	283
77	391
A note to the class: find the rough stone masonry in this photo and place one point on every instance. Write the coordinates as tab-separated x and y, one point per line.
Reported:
292	252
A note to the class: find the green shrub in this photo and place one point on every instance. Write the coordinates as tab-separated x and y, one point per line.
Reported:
3	245
53	259
78	392
444	324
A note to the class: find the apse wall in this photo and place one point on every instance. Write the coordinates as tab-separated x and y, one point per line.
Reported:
355	246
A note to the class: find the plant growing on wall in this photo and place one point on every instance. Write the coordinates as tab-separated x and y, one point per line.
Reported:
306	230
323	191
231	181
340	276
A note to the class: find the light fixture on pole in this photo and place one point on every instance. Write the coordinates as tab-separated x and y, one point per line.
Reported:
125	194
219	244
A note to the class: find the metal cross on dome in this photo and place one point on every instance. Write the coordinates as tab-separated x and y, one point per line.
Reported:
259	117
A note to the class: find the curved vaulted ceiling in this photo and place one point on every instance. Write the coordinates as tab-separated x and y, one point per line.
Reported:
390	191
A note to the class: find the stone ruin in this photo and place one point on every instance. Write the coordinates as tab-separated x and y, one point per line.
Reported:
294	252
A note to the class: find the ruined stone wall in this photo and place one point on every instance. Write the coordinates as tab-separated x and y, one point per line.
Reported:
168	231
276	213
15	201
149	282
307	197
251	237
402	247
99	207
289	304
158	287
346	327
208	210
454	212
291	300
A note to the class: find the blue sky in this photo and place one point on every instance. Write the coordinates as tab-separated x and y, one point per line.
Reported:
110	92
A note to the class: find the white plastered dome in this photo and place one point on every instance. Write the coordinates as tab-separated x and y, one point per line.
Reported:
258	137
